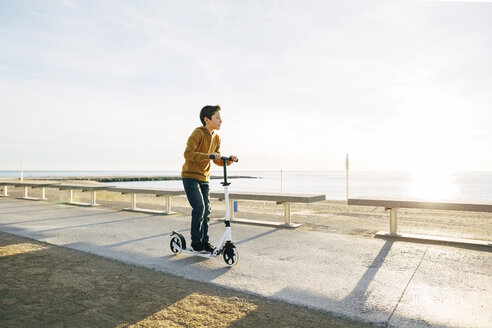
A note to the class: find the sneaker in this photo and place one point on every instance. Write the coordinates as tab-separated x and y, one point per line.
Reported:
197	247
208	247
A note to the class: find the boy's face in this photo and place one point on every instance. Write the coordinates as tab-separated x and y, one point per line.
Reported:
215	122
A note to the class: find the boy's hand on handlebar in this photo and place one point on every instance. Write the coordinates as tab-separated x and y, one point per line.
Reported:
216	156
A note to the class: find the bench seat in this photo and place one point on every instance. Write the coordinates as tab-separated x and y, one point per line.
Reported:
26	186
280	198
166	193
421	204
93	189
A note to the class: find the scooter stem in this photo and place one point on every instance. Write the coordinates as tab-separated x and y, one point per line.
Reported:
227	209
224	161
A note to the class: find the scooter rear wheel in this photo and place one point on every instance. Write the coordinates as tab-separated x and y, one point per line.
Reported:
176	241
231	256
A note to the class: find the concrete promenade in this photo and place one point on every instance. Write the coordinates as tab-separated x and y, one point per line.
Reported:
394	283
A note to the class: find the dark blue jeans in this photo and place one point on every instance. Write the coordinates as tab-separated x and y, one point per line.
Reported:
199	199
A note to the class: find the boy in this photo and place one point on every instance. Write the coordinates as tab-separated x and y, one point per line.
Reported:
202	143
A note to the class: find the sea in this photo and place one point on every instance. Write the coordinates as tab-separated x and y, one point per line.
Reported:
462	187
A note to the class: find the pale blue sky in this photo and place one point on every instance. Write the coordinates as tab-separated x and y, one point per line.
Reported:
118	85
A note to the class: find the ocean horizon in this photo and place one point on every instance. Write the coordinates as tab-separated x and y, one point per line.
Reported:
458	187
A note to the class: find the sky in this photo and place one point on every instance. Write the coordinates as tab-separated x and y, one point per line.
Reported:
118	85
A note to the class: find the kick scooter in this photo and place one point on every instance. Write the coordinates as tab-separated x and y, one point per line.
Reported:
225	245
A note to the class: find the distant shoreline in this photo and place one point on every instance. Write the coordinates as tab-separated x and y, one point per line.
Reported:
133	178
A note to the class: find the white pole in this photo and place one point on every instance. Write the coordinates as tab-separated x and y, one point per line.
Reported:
281	180
347	169
22	174
281	188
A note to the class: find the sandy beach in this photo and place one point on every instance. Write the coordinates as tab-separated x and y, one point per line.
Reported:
51	286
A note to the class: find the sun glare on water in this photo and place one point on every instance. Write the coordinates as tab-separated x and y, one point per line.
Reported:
433	185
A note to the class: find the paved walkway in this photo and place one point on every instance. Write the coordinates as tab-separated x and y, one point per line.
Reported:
397	283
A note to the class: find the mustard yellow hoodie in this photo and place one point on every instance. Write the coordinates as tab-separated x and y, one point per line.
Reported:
200	145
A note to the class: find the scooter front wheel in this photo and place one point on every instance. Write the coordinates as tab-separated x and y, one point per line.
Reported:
176	245
231	256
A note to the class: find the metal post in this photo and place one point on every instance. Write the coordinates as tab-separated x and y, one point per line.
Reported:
25	192
43	193
287	214
70	196
393	222
5	191
281	181
347	168
133	200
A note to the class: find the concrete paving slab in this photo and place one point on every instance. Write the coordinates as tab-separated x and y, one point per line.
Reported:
380	281
451	288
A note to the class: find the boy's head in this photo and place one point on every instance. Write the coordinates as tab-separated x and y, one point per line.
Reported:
208	111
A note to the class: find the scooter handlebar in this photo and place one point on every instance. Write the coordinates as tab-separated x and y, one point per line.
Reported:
223	158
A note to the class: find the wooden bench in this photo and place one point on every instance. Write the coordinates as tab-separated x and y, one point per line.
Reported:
166	193
84	188
279	198
26	186
394	205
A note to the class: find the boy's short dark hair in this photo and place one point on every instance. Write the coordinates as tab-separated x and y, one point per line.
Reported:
208	111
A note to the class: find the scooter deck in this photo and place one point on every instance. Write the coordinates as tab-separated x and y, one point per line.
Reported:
192	252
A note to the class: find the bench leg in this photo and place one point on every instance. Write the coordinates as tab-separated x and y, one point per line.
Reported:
26	192
393	222
288	220
70	196
93	198
5	191
43	193
133	200
168	204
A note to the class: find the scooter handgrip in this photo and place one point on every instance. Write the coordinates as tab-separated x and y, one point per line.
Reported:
223	158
